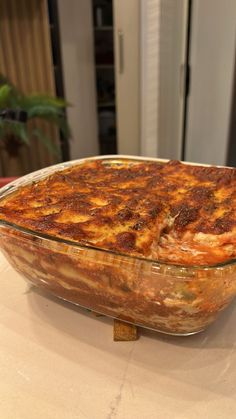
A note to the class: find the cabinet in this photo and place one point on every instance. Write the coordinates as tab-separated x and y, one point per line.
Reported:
117	67
103	35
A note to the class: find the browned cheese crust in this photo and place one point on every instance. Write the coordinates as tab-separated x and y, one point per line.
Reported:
171	212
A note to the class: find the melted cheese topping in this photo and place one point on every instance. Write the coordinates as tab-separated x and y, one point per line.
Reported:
168	212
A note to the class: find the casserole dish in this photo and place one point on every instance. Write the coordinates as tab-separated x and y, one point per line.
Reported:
170	294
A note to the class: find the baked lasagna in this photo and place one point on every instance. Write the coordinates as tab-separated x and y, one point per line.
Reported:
133	239
173	212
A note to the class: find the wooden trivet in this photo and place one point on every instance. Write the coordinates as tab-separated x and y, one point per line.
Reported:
124	331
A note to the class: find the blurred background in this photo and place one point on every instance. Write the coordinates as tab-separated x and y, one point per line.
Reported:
142	77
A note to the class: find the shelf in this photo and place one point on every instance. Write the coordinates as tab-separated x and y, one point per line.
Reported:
103	28
104	65
106	104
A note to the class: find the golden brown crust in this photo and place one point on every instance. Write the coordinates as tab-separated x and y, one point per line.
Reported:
169	212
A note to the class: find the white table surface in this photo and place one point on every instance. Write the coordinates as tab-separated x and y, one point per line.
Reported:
58	361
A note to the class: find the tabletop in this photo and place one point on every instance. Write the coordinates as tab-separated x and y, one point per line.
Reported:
59	361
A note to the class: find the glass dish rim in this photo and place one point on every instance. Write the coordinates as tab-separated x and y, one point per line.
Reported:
40	174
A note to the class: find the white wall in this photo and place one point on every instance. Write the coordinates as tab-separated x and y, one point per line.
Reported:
127	24
75	20
150	75
163	42
212	60
173	28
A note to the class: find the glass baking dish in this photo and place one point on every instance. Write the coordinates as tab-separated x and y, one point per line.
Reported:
168	298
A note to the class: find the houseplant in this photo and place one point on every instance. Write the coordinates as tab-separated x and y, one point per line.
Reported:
17	109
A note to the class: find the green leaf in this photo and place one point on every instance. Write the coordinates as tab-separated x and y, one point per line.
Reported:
44	101
8	97
41	106
59	120
52	148
5	91
44	111
19	130
12	95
